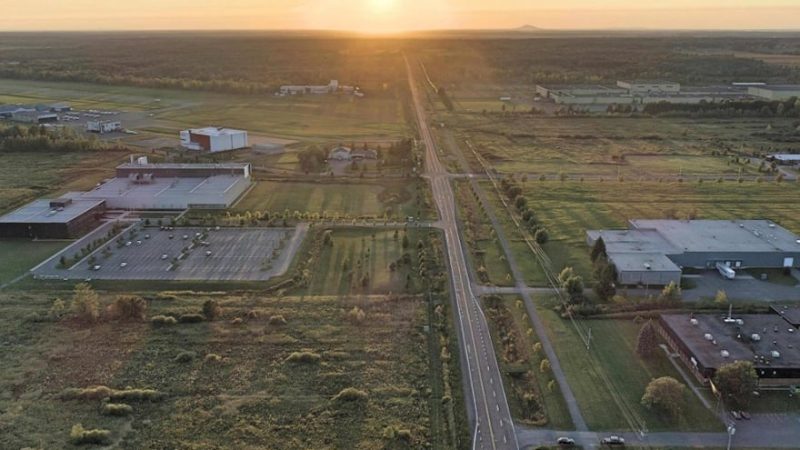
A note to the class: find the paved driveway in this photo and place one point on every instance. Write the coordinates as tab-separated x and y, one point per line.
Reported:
744	287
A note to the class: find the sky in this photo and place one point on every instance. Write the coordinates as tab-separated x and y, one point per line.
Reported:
389	16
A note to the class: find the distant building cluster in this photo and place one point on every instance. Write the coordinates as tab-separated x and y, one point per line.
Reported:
642	92
34	114
308	89
655	252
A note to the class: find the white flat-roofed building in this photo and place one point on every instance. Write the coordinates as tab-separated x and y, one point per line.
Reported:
103	126
213	139
646	86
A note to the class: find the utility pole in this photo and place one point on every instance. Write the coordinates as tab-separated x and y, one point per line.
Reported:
589	339
731	432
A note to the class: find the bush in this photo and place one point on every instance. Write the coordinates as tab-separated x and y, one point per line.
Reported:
211	310
127	395
116	409
304	357
191	318
163	321
541	236
85	303
350	395
81	436
212	358
129	307
185	357
277	320
90	393
356	314
237	321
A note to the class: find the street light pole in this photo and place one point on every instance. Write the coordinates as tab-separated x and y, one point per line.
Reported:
731	432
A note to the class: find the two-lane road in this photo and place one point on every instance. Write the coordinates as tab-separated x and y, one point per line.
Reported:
486	398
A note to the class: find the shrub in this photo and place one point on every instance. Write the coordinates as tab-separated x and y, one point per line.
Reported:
356	314
85	303
163	320
211	310
350	395
130	394
90	393
212	358
237	321
304	357
541	236
185	357
277	320
191	318
81	436
116	409
129	307
251	315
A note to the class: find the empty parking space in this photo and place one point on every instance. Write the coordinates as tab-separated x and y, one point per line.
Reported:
188	254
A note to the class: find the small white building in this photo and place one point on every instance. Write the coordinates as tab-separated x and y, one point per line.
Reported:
339	154
103	126
330	88
644	86
213	139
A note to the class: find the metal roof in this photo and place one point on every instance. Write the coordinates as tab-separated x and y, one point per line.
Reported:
40	211
149	166
722	235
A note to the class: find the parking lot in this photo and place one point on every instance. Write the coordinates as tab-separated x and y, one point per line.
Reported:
188	254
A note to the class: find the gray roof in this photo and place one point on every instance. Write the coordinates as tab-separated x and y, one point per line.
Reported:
640	262
722	235
39	211
736	339
780	87
183	166
633	241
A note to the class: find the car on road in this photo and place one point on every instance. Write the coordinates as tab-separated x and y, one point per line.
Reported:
164	256
565	442
123	265
208	253
736	415
613	441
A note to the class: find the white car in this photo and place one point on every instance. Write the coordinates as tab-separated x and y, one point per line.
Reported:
164	256
123	265
208	253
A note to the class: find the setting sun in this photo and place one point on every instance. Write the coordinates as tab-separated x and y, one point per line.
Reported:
382	6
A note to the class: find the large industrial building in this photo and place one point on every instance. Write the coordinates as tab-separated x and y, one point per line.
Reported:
213	139
705	342
143	186
654	252
62	218
775	92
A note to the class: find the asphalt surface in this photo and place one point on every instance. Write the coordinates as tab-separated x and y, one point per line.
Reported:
487	405
153	254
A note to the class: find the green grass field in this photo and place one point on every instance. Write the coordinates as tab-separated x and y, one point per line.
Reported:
357	252
570	208
396	199
613	350
19	256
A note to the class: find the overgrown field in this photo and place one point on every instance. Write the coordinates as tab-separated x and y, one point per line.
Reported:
25	176
629	147
267	372
614	357
395	199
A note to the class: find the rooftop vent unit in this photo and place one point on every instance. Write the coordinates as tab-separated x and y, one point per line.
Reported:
708	337
724	353
647	266
693	322
775	354
755	337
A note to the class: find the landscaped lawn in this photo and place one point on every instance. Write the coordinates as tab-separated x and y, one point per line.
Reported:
397	199
613	357
17	256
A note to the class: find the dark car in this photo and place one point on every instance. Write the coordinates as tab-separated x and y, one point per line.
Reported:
613	441
565	442
745	415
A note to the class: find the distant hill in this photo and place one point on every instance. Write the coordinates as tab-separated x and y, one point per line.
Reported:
527	29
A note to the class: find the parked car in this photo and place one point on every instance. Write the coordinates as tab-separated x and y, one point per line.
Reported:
745	415
123	265
615	441
164	256
565	442
736	415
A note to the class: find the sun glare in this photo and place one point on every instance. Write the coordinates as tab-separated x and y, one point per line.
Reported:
381	6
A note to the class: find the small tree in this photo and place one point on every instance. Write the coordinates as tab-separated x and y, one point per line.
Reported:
129	307
606	275
736	382
85	303
671	292
665	394
599	249
647	342
211	310
541	236
721	297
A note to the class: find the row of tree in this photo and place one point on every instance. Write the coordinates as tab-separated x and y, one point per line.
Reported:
513	191
36	138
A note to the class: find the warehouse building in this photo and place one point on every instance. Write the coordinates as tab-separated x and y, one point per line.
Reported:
641	93
654	252
705	342
62	218
213	139
144	186
775	92
785	159
644	86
